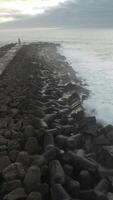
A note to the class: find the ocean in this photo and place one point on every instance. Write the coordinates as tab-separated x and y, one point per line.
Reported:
90	53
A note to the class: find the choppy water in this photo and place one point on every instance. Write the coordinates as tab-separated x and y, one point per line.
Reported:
91	55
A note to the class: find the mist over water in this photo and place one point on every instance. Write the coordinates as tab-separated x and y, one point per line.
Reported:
90	52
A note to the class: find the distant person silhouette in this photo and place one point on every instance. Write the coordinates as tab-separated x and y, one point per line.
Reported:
19	41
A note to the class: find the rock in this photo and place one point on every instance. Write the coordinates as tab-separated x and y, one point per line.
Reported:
13	171
11	185
62	101
105	172
17	194
65	111
91	155
34	196
70	86
15	135
61	141
39	133
64	120
88	143
74	96
23	158
106	130
53	132
109	133
48	141
110	196
68	129
36	111
3	141
80	152
79	117
71	121
85	180
44	173
39	160
32	179
51	154
83	161
14	111
38	123
89	126
88	195
3	149
7	134
107	159
75	106
102	189
29	131
67	159
31	146
50	110
72	186
19	124
13	145
43	188
74	141
102	140
13	155
4	162
49	118
68	169
56	172
110	136
3	123
58	192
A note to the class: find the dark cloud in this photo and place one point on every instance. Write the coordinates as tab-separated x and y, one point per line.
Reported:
81	13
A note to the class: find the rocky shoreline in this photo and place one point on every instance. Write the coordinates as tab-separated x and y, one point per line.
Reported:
49	149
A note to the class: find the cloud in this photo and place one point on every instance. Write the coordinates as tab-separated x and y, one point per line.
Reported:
61	13
12	9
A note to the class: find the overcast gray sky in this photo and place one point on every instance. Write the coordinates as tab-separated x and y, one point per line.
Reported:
55	13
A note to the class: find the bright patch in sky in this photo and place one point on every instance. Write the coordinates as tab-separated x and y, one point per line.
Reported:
14	9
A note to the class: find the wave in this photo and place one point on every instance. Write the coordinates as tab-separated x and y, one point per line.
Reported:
95	66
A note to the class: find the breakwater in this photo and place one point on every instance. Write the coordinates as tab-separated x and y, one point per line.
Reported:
49	149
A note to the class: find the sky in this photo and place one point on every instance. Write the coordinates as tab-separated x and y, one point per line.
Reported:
28	14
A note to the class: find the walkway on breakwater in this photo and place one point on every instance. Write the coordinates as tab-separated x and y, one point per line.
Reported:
9	55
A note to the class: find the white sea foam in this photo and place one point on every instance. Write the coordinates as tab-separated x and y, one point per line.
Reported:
92	59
